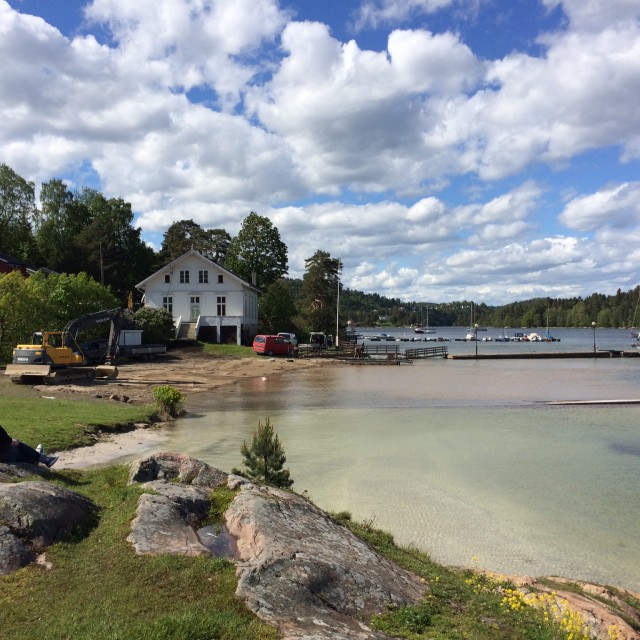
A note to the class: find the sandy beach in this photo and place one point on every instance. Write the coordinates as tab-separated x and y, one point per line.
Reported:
190	371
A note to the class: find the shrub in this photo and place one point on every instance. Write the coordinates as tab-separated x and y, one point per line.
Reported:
156	324
169	400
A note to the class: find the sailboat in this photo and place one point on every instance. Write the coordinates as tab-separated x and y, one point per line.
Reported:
420	329
548	337
471	326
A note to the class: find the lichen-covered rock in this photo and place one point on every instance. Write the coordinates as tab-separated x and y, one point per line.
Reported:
167	523
35	515
159	527
178	467
13	552
10	472
307	574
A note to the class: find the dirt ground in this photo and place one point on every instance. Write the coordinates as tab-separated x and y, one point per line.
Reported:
189	371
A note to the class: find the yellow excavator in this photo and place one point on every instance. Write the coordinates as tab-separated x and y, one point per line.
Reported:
55	356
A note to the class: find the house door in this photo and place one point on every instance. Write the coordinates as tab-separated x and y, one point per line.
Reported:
195	308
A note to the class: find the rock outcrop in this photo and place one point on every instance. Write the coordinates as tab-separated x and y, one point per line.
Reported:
34	515
305	573
297	568
177	501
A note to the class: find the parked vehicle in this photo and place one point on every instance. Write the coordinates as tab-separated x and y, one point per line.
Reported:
55	355
289	336
272	346
317	341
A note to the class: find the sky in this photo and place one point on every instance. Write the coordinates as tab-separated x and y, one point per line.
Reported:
444	150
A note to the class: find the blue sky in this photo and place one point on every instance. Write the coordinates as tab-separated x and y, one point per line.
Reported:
444	149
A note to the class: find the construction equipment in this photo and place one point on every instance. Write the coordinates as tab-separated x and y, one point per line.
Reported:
55	356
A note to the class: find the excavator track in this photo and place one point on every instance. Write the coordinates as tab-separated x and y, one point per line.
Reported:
40	373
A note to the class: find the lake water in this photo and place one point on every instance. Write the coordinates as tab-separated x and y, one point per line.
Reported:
463	459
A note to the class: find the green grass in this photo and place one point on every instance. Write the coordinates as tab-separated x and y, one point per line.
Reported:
98	589
65	424
227	350
460	604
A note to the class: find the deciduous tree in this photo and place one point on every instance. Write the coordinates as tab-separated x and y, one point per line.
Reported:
187	234
258	249
276	307
17	212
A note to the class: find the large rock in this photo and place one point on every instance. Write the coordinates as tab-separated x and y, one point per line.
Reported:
308	575
176	502
176	467
35	515
12	471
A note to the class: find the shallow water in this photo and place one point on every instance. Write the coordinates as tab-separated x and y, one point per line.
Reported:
460	458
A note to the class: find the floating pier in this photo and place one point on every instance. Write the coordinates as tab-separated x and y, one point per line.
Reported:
604	353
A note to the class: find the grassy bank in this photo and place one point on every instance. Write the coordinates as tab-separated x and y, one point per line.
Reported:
97	589
65	424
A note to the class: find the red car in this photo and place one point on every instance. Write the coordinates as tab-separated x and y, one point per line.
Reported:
272	346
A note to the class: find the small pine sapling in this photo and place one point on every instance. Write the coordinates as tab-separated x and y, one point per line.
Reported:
264	459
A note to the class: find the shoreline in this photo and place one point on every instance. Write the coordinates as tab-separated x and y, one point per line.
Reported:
205	375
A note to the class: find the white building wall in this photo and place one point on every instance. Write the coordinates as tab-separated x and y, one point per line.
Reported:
241	302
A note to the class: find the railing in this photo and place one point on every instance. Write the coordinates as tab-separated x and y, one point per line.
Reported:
395	351
427	352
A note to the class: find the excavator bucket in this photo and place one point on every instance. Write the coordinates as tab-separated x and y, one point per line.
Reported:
106	372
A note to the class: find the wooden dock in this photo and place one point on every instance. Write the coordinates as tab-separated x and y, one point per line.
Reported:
606	353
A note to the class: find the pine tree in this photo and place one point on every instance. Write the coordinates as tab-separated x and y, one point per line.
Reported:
264	459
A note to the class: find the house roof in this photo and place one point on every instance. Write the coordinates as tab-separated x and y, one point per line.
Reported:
18	265
14	262
192	252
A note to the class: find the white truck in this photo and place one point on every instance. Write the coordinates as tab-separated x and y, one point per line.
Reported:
291	337
317	341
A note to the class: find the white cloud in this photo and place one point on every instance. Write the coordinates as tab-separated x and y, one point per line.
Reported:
290	114
617	206
375	13
358	117
587	15
186	43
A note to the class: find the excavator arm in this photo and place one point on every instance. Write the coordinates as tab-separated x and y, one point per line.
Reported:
114	316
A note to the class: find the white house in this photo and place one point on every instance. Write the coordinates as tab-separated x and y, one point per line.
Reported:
206	301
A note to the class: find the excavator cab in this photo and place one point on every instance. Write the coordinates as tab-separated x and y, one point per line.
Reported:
48	348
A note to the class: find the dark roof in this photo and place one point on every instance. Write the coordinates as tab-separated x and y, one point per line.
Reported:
13	264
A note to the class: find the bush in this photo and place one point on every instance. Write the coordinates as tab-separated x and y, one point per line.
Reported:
156	324
169	400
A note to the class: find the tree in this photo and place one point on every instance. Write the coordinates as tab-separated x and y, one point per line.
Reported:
17	210
58	226
276	307
187	234
113	251
264	460
45	302
320	289
258	249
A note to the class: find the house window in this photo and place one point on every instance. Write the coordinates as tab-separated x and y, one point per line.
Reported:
167	278
220	278
203	276
184	277
222	305
167	303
